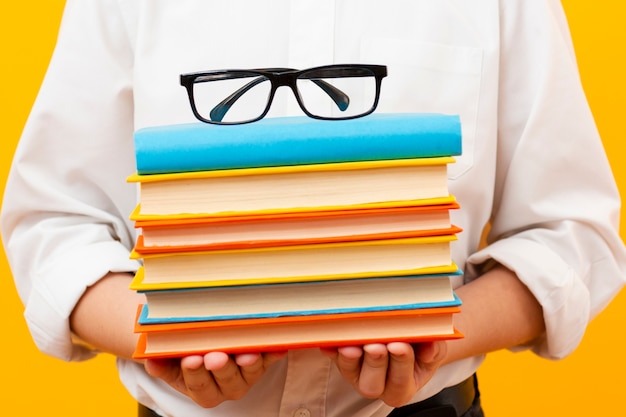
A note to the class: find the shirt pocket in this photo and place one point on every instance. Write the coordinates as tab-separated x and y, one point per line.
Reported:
432	78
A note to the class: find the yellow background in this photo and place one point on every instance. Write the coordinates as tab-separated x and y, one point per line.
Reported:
589	382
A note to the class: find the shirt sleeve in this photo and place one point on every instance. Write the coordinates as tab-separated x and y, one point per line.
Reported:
66	205
556	214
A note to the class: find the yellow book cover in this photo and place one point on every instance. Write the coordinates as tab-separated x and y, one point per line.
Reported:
311	262
289	188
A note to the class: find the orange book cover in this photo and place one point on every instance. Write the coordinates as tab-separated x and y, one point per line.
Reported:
187	234
294	332
142	249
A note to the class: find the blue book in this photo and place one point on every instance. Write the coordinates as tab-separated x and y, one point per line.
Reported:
290	141
298	298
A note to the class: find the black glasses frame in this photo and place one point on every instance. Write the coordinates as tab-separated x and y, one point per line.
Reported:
287	77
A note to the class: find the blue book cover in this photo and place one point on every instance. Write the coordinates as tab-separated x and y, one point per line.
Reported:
321	297
145	319
295	141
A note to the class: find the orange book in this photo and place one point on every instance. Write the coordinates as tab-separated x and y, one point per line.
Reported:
230	232
294	332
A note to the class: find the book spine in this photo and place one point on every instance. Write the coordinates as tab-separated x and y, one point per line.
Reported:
281	141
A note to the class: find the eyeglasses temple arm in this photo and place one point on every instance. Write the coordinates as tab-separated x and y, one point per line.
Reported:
219	111
340	98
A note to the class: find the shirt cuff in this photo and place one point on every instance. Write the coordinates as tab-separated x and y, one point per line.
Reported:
562	294
57	289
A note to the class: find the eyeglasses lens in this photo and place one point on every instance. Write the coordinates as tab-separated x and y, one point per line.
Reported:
337	93
235	98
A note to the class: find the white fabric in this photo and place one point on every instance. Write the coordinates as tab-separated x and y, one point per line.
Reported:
532	161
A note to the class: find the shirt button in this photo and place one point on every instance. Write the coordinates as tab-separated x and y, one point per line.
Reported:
302	412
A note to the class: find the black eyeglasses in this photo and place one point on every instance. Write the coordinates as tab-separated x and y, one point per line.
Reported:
331	92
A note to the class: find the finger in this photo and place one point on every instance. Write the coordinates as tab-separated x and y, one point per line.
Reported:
248	359
215	360
160	368
168	370
250	366
348	361
199	382
431	354
401	364
192	362
253	365
228	377
428	358
410	368
373	375
401	378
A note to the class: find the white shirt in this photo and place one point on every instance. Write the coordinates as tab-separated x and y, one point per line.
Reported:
532	161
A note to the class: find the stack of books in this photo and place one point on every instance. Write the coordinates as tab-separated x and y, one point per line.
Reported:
293	233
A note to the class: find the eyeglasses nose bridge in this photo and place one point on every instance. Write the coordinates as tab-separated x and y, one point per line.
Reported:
285	79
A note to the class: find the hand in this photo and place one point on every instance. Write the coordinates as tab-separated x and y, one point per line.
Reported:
213	378
392	372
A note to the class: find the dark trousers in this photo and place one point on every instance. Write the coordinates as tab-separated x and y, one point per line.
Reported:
474	411
462	400
144	411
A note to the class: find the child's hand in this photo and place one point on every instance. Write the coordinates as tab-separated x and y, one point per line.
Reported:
213	378
392	372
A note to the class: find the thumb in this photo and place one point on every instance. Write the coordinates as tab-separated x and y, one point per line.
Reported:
431	352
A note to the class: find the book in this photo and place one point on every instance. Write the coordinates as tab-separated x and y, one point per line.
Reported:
224	232
294	188
298	299
295	233
314	262
295	141
294	332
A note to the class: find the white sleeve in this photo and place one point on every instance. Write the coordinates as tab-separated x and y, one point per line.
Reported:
556	214
65	218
